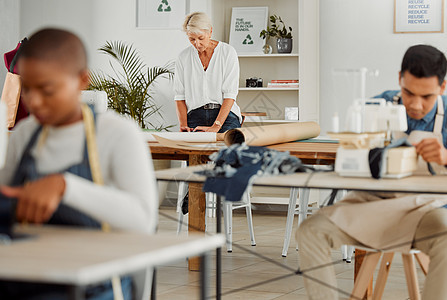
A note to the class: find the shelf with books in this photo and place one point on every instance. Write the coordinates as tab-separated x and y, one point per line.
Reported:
283	84
301	64
280	76
257	89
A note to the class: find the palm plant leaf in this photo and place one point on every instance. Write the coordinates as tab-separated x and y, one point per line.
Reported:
129	92
127	57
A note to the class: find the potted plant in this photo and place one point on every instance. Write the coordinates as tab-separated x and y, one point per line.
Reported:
282	33
129	90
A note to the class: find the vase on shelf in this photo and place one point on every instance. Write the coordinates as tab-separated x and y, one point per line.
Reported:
267	49
284	45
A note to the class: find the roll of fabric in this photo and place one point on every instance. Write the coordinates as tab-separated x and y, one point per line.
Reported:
272	134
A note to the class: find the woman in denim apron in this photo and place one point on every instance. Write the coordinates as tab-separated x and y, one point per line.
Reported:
65	216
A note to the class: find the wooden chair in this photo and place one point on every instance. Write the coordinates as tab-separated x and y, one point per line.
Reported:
370	260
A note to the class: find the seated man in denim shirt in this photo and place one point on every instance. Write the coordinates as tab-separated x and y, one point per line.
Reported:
421	101
392	221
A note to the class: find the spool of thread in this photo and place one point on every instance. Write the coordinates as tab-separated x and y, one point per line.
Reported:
335	122
355	118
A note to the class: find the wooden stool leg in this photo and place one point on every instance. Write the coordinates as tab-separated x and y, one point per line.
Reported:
359	256
384	271
423	261
365	274
410	275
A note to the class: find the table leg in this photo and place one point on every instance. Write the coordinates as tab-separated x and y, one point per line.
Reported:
154	285
218	250
359	256
76	292
196	207
204	276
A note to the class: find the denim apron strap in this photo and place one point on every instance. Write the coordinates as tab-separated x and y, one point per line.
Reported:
437	128
95	169
26	164
439	119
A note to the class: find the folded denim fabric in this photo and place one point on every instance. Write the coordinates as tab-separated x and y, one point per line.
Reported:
236	166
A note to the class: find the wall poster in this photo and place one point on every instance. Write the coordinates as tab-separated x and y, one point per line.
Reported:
160	14
412	16
246	25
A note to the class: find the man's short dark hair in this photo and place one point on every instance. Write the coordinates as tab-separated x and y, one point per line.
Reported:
59	45
424	61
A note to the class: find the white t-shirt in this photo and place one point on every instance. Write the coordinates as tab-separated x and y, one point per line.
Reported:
199	87
128	200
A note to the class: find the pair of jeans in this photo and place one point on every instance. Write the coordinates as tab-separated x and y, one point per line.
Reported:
206	117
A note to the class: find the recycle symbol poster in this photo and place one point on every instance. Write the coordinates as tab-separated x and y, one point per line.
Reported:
161	14
246	24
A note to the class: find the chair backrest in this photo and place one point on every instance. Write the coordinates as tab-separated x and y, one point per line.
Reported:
96	98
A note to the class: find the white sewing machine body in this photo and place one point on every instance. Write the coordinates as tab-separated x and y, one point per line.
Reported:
96	98
380	118
397	162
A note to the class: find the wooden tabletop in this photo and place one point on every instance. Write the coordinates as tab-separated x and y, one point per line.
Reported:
309	153
324	180
79	257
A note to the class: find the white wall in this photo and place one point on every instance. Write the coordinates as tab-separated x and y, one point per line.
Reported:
9	32
309	60
98	21
355	34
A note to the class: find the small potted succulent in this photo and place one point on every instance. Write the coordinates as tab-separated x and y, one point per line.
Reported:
282	33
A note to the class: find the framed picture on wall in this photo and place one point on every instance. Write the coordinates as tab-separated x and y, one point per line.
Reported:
160	14
246	25
421	16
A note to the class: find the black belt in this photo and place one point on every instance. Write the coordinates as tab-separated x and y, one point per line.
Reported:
211	106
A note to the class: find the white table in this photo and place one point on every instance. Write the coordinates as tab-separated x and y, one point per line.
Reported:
77	257
325	180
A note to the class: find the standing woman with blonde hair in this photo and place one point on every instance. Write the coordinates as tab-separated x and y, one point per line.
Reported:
206	80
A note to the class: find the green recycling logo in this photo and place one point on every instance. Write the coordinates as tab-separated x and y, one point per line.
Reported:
248	40
164	6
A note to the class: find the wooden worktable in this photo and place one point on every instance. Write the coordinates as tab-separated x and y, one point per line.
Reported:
309	153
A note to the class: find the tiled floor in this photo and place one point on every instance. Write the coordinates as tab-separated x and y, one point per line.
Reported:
244	271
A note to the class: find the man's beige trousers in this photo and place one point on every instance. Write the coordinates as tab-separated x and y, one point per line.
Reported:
318	235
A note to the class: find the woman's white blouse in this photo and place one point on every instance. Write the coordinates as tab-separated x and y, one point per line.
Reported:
199	87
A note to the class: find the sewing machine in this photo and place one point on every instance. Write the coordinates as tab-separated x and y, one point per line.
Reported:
380	119
96	98
3	134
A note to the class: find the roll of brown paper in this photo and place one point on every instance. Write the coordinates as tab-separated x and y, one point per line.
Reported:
272	134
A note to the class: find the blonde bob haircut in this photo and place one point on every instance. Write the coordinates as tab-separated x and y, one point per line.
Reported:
197	23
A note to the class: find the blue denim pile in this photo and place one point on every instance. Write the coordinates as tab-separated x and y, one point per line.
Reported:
237	165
